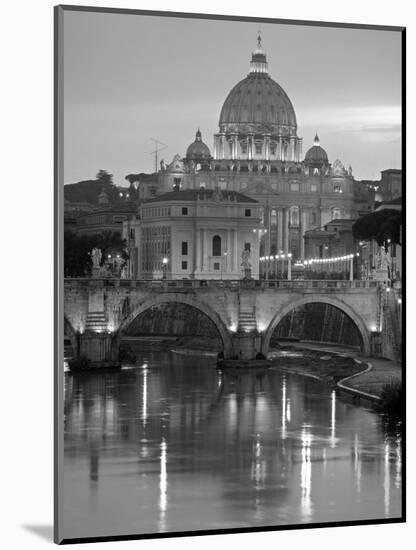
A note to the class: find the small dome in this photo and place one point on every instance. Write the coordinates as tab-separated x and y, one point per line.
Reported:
198	150
316	153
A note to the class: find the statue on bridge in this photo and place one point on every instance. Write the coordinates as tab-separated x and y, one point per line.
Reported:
245	263
96	255
245	257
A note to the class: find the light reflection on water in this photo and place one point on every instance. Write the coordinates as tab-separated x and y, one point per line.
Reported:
176	445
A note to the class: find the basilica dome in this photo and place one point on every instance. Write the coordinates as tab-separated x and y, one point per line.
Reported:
198	150
258	102
316	154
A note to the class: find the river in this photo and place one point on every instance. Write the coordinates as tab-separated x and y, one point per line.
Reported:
173	444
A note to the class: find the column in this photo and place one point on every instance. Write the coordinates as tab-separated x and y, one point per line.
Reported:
286	230
229	258
200	250
302	227
250	147
279	228
292	148
267	147
289	269
280	154
268	234
196	253
235	253
205	254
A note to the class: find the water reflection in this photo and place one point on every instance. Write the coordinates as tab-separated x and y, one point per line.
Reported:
306	474
176	445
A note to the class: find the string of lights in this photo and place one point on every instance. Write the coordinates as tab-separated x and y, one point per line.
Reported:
276	257
330	260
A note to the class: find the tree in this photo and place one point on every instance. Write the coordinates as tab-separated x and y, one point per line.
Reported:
382	226
104	177
77	251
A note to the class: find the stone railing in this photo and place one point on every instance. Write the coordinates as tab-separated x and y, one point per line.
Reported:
166	285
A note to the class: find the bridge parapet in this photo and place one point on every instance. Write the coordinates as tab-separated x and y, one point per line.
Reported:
193	284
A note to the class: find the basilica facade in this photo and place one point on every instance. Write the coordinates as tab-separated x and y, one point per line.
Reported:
257	152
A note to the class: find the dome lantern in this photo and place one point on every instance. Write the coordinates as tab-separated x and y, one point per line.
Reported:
258	59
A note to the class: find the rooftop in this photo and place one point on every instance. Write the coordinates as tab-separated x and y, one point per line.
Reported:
193	195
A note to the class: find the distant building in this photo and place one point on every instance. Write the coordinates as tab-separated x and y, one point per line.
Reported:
391	184
197	234
71	212
334	239
105	217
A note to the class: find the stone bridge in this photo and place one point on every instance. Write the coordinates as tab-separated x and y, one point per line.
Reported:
245	313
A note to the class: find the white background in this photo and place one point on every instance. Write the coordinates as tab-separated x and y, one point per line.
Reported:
26	391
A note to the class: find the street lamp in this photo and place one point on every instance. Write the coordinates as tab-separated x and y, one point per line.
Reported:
165	262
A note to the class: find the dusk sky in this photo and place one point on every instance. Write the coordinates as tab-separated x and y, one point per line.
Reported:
129	78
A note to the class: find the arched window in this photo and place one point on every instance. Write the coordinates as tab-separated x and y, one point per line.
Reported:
313	217
294	215
216	245
336	213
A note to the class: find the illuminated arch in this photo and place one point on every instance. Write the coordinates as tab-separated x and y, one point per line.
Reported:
178	299
318	298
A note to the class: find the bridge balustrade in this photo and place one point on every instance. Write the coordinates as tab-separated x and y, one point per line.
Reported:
185	284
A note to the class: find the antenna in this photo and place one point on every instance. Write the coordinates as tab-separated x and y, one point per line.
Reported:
157	149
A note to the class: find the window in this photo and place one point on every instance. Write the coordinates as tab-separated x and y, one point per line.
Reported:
202	185
336	214
313	218
184	211
247	212
294	215
337	188
216	245
184	248
216	266
259	147
247	246
131	233
273	218
273	147
294	187
243	146
185	265
314	188
176	184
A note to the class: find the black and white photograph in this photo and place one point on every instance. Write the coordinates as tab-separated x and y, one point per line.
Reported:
230	274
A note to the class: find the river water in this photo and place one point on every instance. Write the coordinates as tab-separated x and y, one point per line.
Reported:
173	444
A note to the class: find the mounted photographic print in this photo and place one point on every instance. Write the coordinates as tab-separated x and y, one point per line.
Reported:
229	274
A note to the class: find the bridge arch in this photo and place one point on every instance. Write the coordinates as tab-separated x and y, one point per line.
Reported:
179	299
318	298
